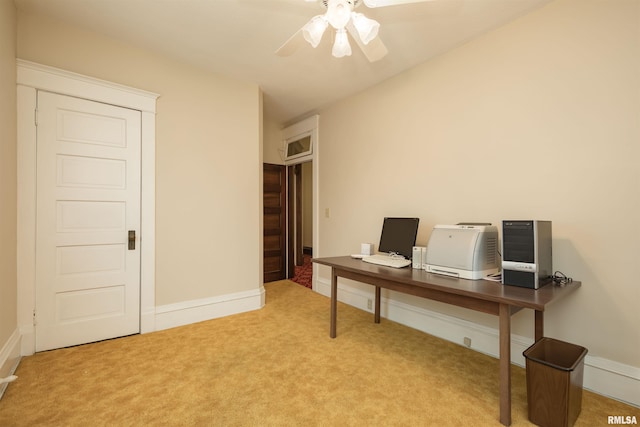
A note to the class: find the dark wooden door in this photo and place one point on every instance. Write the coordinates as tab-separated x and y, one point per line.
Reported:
274	223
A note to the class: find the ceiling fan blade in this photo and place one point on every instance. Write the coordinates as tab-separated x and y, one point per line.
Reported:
383	3
374	51
291	45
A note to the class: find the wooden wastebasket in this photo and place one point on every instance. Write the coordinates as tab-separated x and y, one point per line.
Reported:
554	382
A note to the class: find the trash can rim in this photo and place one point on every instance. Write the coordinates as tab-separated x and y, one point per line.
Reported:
541	341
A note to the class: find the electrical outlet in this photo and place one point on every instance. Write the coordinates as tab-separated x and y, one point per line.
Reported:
369	304
467	341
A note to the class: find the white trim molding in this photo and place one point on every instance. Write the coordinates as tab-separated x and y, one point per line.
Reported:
9	358
187	312
32	77
608	378
64	82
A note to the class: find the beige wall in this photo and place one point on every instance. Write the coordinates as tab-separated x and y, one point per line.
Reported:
8	171
272	142
536	120
208	157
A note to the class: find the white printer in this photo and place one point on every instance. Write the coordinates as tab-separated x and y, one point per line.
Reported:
463	250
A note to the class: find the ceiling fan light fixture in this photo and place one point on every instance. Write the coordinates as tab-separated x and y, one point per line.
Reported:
341	46
314	29
367	28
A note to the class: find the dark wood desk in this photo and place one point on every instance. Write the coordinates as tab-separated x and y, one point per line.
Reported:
480	295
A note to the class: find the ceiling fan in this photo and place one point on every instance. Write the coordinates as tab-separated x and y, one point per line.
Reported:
342	17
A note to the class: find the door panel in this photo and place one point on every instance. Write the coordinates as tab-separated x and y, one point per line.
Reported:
274	222
88	172
88	198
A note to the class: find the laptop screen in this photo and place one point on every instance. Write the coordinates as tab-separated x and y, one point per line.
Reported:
399	236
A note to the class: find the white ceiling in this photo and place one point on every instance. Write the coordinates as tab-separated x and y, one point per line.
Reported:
238	38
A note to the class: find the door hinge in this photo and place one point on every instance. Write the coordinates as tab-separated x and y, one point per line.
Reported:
34	318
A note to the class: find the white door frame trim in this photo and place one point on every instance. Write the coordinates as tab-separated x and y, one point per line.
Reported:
32	77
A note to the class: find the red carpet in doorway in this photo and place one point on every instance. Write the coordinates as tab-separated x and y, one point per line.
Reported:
303	274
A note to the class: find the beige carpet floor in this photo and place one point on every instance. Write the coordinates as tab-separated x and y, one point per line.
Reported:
273	367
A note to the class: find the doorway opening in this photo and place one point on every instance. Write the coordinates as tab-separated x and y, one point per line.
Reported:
300	223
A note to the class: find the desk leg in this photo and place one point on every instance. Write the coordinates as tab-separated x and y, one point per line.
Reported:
376	316
334	302
505	364
539	325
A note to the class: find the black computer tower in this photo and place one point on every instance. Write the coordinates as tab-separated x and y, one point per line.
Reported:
526	253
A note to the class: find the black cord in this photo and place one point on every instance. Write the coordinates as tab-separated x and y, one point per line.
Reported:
559	278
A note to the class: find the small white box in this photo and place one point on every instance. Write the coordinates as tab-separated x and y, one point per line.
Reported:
418	256
366	248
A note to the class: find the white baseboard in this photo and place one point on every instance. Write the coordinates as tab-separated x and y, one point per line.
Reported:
602	376
9	358
187	312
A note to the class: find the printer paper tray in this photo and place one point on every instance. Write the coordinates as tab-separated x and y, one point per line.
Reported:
460	273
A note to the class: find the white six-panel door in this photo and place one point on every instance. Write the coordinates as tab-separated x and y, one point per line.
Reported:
88	201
